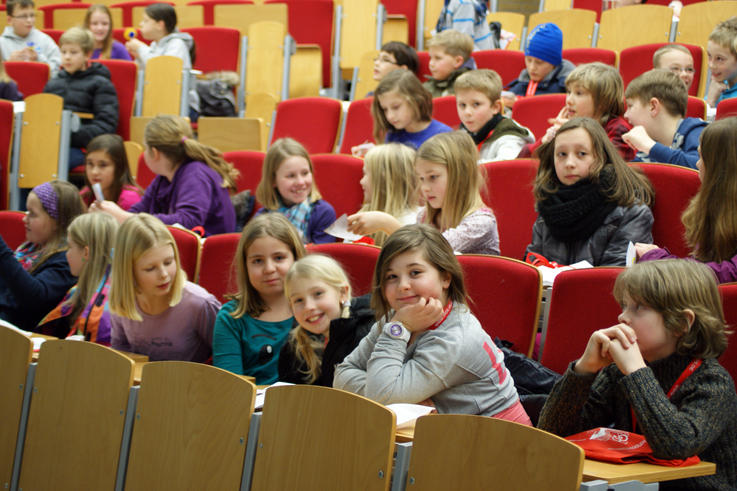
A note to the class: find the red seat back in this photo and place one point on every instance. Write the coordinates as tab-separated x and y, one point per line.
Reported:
507	63
358	261
727	108
217	48
729	303
636	60
696	108
407	8
54	34
444	110
423	71
505	297
359	124
217	266
578	56
337	176
30	76
12	228
127	8
123	74
6	137
188	244
581	302
534	112
249	163
674	187
297	118
509	195
144	175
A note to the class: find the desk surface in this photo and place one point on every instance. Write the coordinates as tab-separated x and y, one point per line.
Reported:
612	473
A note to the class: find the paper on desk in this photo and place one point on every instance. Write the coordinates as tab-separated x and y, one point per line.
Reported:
549	274
408	412
261	394
631	258
339	229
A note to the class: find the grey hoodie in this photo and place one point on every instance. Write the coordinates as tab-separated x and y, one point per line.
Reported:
46	49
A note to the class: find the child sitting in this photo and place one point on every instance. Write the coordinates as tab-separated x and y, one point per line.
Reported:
710	220
394	55
656	108
722	51
402	112
330	323
590	203
678	60
450	56
426	343
656	372
21	41
546	70
468	17
85	90
594	90
480	109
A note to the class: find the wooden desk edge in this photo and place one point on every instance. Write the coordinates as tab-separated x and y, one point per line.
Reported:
643	472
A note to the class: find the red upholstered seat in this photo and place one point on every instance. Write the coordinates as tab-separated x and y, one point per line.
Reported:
534	112
729	303
188	244
30	76
444	110
358	261
636	60
293	117
359	125
123	74
12	228
507	63
337	177
217	266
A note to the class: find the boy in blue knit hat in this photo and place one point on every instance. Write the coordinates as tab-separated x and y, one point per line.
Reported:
546	70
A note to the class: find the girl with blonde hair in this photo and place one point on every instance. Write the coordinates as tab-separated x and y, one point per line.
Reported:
99	21
330	323
155	310
450	182
84	309
251	329
389	185
287	187
35	277
193	182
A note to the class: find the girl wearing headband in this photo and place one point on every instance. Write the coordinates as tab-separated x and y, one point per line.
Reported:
36	276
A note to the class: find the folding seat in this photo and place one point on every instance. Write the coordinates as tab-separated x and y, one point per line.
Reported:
338	177
578	56
358	261
209	8
727	108
217	48
188	244
6	139
444	110
534	112
636	60
728	359
293	119
698	19
508	64
634	25
63	15
249	163
512	22
217	267
12	228
30	76
577	25
123	75
358	125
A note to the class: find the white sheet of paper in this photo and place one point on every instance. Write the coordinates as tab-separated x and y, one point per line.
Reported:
631	258
408	412
339	229
261	394
97	189
549	274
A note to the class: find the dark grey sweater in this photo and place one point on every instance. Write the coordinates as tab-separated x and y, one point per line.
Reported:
700	418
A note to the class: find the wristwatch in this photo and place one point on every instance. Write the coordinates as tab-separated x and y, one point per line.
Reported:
397	330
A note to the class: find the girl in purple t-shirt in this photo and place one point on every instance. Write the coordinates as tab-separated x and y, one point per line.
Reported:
100	22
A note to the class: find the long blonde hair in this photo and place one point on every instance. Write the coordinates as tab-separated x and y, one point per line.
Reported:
315	267
710	219
172	136
137	235
458	153
391	170
107	43
96	231
278	152
273	225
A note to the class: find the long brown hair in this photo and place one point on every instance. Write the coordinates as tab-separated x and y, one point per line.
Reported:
630	185
408	86
113	146
710	219
107	43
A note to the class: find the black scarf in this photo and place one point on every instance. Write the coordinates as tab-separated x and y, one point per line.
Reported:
482	133
574	212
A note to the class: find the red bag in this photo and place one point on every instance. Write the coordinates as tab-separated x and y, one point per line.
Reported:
622	447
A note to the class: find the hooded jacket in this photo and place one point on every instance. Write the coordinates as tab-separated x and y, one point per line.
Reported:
553	83
46	49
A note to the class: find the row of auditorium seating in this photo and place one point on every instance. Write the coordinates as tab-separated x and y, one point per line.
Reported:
193	426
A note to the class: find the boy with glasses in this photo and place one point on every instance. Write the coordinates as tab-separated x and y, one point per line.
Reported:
22	42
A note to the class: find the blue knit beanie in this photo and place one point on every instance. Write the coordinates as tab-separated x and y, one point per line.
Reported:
546	42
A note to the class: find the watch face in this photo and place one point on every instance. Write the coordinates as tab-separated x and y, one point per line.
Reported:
395	329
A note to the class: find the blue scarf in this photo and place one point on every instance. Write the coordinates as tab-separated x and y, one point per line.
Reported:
298	215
